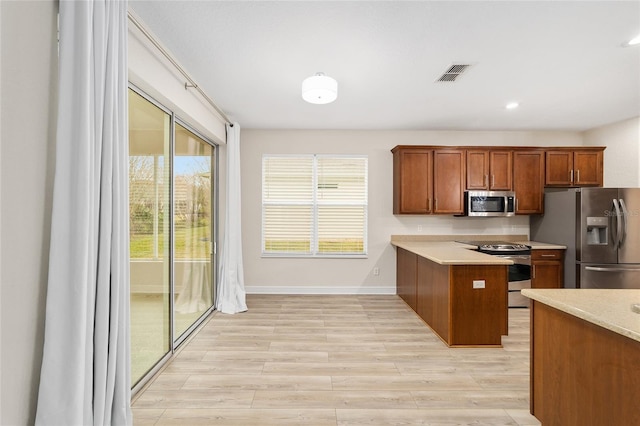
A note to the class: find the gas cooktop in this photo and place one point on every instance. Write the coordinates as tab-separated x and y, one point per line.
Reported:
496	246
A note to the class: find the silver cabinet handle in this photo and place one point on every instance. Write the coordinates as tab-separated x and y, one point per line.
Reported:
547	255
571	176
577	176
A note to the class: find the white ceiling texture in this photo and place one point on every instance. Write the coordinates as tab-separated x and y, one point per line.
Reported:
563	61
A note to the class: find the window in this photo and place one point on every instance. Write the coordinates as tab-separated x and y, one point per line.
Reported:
314	205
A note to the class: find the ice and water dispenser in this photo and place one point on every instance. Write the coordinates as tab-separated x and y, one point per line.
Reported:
597	230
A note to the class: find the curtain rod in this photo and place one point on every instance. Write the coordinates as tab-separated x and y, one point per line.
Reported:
190	82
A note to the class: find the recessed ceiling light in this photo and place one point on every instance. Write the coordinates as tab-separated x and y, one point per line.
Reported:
512	105
633	42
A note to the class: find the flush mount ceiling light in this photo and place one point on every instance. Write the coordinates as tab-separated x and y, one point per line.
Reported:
512	105
633	42
319	89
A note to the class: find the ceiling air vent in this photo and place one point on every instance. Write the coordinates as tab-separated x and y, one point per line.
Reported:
454	71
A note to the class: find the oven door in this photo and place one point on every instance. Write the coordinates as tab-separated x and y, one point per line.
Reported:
519	278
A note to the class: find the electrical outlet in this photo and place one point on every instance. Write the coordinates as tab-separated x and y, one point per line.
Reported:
478	283
419	228
376	271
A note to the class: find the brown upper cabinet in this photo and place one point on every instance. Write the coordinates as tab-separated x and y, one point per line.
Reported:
574	167
528	181
489	170
432	179
448	181
412	180
427	181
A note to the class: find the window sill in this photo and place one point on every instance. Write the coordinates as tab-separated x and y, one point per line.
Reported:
311	256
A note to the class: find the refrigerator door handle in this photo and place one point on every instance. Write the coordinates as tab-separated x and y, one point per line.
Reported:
625	218
601	269
616	243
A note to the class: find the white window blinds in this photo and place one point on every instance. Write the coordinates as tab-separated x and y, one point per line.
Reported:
314	205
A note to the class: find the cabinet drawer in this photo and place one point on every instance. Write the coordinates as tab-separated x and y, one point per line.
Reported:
546	254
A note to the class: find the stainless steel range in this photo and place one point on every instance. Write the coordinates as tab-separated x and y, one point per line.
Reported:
519	272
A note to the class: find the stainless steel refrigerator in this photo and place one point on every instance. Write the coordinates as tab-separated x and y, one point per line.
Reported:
601	229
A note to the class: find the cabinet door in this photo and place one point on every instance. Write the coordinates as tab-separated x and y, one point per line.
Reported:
574	168
500	170
477	170
546	274
412	173
448	181
587	168
528	181
547	268
406	276
559	169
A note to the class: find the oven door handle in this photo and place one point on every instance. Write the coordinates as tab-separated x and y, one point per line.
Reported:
525	259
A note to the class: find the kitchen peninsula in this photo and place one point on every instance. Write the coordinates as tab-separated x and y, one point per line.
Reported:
460	293
585	356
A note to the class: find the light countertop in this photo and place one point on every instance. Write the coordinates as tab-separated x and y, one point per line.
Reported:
450	253
443	249
610	309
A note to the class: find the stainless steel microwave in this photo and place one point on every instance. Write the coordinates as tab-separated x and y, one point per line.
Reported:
489	203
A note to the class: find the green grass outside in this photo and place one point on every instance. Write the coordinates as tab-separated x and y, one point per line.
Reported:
190	243
193	243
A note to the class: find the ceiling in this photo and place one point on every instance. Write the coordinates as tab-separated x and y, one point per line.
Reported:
562	61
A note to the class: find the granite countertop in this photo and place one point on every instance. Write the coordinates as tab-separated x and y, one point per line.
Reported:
443	249
610	309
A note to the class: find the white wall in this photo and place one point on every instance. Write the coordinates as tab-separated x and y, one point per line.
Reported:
153	73
295	275
29	66
622	156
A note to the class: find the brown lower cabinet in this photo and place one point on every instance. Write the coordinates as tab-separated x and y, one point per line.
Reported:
547	268
581	373
406	275
445	298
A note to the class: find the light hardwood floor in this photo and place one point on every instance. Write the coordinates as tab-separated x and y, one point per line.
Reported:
338	360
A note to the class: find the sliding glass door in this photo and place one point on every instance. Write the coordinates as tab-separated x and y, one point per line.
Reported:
149	233
172	218
193	230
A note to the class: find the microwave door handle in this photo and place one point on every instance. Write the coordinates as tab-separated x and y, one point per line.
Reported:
616	207
625	218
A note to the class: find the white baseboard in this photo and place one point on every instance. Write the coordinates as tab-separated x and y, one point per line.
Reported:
387	290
